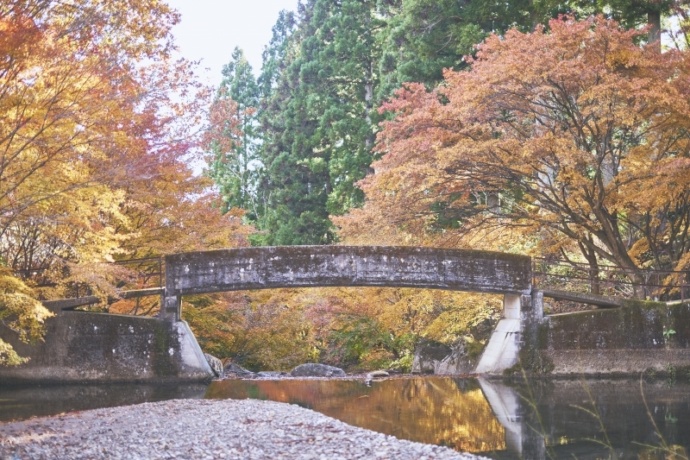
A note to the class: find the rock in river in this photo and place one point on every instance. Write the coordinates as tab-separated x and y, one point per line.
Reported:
317	370
237	371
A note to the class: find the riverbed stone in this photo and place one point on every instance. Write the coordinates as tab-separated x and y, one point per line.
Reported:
235	370
377	374
198	430
272	374
317	370
440	359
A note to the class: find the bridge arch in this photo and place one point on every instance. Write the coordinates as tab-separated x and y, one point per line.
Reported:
322	266
398	266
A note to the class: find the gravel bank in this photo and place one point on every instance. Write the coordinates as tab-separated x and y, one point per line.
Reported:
205	429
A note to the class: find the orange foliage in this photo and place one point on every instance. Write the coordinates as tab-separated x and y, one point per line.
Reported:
557	136
98	125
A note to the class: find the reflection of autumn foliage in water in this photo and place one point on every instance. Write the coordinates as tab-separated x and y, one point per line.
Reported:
440	410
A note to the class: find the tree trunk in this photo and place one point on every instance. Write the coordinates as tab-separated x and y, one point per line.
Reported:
593	275
654	24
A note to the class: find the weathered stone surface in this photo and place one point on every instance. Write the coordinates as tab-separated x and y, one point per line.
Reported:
306	266
458	362
216	365
57	306
590	299
502	351
317	370
93	347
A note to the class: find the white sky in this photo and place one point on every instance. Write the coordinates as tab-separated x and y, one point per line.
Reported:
210	29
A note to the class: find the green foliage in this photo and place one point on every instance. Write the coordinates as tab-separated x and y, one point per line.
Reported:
364	342
424	37
317	118
234	163
668	333
293	183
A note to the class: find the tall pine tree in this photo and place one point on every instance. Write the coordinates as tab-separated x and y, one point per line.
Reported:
426	36
295	181
235	164
319	118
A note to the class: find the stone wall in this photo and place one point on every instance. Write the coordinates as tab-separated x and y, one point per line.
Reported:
637	337
93	347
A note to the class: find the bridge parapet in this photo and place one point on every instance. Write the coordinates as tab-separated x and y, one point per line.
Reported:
320	266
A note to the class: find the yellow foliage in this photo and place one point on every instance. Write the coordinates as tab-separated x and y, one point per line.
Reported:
261	334
21	312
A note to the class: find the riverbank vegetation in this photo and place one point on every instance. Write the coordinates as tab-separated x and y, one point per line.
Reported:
554	129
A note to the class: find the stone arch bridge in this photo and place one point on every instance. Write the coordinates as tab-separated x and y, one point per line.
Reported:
91	346
322	266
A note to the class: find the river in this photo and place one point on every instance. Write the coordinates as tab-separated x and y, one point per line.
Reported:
544	419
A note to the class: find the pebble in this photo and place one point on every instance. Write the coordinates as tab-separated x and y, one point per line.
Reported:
205	429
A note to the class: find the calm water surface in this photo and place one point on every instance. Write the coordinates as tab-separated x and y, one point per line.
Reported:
594	419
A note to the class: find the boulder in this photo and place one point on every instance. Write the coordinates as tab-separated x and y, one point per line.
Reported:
459	361
317	370
216	365
428	355
437	358
237	371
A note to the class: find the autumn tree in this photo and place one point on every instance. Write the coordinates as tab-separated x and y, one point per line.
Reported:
560	134
83	120
98	122
20	312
